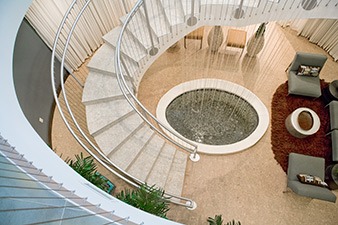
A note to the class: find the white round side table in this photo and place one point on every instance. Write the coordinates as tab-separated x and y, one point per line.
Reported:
294	127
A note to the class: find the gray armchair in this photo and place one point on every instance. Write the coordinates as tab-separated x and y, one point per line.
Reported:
305	85
312	166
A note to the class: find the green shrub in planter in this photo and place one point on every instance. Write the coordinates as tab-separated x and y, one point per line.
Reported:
148	199
217	220
86	167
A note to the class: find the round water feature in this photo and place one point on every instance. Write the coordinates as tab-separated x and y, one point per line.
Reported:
212	116
218	116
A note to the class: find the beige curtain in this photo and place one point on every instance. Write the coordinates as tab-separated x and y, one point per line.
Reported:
99	18
324	33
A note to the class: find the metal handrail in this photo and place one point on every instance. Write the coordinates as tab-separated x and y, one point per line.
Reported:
125	176
128	93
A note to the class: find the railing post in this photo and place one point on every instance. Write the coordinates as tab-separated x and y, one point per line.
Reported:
192	19
239	12
153	51
194	156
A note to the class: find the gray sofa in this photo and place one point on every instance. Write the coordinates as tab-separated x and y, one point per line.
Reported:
333	108
305	85
312	166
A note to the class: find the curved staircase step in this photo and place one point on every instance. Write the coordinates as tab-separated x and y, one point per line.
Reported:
142	165
157	19
102	116
174	11
135	52
125	154
116	134
99	87
103	61
187	7
175	181
160	171
135	27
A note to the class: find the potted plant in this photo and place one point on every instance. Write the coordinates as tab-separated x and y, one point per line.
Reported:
86	167
149	199
215	38
218	220
256	42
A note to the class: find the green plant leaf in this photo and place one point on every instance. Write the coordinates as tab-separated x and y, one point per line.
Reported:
233	222
217	220
149	199
86	167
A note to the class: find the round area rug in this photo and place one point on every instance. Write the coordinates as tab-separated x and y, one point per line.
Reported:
283	143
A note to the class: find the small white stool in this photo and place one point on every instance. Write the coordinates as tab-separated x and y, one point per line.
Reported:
295	129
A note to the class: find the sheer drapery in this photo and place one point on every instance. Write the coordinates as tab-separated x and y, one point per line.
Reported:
324	33
99	18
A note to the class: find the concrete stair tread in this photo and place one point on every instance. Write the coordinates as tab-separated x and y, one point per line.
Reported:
187	7
160	171
99	86
126	153
134	51
175	180
113	136
157	18
175	15
101	115
103	61
144	162
136	30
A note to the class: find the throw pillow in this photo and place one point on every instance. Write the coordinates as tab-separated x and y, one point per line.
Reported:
312	71
309	179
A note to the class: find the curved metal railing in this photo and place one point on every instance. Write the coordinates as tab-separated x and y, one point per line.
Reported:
65	31
138	107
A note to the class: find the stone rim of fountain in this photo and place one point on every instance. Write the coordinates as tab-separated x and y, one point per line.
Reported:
255	102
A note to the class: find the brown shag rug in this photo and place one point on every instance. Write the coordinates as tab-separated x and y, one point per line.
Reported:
283	142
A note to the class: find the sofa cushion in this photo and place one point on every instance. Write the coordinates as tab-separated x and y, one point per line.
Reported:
304	70
334	139
304	85
309	179
333	115
312	191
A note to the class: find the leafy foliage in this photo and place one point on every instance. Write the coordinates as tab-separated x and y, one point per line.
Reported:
217	220
233	222
86	167
148	199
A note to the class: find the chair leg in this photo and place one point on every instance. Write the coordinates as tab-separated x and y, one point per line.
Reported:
201	43
185	46
241	53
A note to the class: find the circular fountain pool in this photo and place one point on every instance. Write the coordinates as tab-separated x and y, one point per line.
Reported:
218	116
